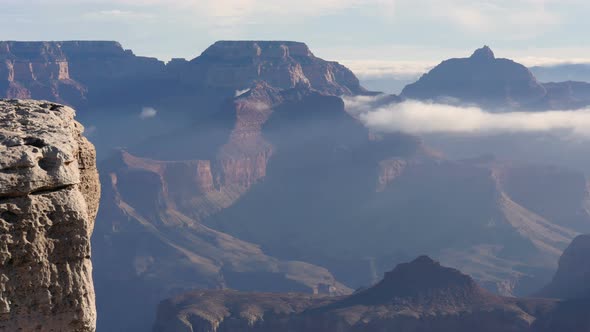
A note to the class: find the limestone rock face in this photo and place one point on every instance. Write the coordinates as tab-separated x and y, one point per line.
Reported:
38	70
49	194
80	73
282	64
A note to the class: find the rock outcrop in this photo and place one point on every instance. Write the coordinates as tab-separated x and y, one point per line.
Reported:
49	195
417	296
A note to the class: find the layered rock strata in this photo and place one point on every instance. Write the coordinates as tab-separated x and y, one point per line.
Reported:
417	296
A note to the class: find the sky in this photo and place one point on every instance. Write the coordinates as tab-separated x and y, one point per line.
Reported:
373	37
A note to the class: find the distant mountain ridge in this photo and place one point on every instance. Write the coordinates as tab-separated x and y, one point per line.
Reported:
494	83
576	72
71	71
74	71
84	73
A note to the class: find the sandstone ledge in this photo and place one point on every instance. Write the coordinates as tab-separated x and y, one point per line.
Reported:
49	193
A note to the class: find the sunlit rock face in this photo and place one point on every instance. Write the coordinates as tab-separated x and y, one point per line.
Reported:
281	64
79	73
49	194
37	70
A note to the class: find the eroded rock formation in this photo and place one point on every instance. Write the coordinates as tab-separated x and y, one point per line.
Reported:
49	194
494	83
417	296
73	72
282	64
39	70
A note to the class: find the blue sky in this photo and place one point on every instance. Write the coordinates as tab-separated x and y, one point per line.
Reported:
368	35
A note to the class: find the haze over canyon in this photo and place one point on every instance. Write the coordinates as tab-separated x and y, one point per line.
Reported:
258	187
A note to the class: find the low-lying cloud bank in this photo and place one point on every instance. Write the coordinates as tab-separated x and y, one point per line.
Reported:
429	118
147	113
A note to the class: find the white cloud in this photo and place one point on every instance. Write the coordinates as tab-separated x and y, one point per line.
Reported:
426	118
241	92
147	113
360	105
229	12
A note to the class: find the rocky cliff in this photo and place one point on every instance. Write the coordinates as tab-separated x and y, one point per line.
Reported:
113	75
417	296
282	64
73	72
37	70
572	278
49	194
571	284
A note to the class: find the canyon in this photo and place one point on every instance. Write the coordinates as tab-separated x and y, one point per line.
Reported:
250	174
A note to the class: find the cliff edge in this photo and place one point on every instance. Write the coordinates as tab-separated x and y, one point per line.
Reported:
49	194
